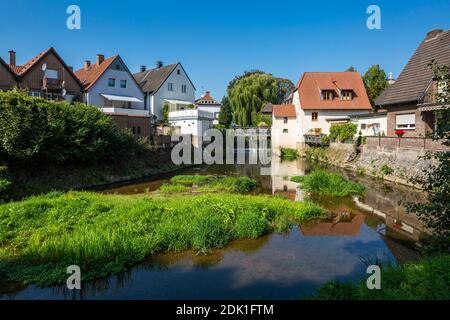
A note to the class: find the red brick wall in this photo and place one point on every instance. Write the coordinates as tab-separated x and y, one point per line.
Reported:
424	120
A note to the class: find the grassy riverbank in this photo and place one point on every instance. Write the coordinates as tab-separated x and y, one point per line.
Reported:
208	184
425	279
106	234
327	183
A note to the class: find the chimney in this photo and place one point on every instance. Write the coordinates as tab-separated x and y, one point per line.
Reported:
12	57
433	34
100	59
87	64
70	68
143	68
159	64
207	93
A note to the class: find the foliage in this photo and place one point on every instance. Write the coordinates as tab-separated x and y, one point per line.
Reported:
166	110
435	213
326	183
244	184
288	154
425	279
226	113
191	179
343	132
173	188
250	92
34	130
385	169
375	81
263	120
351	69
107	234
214	183
325	140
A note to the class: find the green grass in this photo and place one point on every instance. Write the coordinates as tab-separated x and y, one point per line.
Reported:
288	154
425	279
173	188
210	184
327	183
385	169
107	234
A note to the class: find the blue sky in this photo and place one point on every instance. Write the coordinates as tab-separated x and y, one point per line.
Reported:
216	40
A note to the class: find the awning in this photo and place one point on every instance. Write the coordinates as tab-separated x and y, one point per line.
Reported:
341	119
121	98
433	107
178	102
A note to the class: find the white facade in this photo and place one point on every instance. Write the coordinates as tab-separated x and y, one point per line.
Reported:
371	124
191	121
284	132
215	110
102	87
177	79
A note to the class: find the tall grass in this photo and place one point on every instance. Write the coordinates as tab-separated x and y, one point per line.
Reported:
107	234
327	183
211	183
288	154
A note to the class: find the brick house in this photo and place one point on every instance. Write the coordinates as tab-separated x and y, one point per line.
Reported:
46	75
410	101
109	85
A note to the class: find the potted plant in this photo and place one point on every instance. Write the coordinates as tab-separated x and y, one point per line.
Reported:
400	133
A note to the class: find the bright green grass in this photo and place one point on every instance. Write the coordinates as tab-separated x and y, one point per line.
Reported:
326	183
288	154
106	234
425	279
173	188
210	184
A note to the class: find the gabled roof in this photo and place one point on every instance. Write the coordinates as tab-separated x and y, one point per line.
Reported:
21	71
268	108
88	77
413	82
284	110
312	83
207	97
151	80
7	67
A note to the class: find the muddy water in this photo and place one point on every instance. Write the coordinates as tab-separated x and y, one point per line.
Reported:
277	266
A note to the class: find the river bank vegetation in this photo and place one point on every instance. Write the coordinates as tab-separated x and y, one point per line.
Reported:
321	182
209	183
107	234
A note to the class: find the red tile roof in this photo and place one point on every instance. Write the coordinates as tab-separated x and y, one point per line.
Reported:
88	77
311	84
20	70
207	97
284	110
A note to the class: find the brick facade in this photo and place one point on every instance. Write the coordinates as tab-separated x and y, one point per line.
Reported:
139	126
424	120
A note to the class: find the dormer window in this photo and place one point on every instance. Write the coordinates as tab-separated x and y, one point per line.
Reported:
346	95
327	95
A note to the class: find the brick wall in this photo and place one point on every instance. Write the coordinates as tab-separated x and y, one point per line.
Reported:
406	143
424	120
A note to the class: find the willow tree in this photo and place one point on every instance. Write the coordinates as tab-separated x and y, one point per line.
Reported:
250	93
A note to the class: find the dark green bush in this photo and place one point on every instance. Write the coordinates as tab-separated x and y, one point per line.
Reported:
244	185
343	132
385	169
37	130
288	154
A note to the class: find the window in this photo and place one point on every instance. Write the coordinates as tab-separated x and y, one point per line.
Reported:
346	95
363	126
170	86
285	131
111	82
34	94
178	71
118	67
285	120
123	84
183	88
327	95
314	116
138	130
51	74
405	121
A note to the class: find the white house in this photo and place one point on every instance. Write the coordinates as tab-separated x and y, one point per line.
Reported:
209	104
284	127
166	85
109	85
371	124
191	121
324	98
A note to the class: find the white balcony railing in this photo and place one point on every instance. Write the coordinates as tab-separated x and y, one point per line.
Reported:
128	112
190	114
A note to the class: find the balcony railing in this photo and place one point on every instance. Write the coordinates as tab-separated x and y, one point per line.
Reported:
49	83
124	111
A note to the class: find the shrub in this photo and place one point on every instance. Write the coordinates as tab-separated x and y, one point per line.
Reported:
250	225
288	154
325	140
385	169
173	188
244	185
326	183
191	179
344	132
37	130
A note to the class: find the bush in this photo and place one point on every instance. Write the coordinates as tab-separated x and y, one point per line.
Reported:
37	130
326	183
344	132
173	188
244	185
325	140
288	154
250	225
385	169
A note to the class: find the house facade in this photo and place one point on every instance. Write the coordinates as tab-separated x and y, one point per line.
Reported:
109	85
370	124
166	85
209	104
327	98
410	101
46	75
284	126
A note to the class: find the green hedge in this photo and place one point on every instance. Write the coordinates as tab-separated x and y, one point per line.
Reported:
37	130
344	132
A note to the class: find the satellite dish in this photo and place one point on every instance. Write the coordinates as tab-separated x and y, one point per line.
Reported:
44	67
63	84
64	92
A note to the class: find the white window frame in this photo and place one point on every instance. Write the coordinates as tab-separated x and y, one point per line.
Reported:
183	88
51	74
405	121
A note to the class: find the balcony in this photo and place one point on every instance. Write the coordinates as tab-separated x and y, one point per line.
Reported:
126	112
191	114
51	84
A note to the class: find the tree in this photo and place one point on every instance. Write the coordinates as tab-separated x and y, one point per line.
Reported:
435	213
225	114
351	69
249	93
375	82
166	110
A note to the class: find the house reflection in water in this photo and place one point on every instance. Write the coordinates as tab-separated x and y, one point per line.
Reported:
281	173
343	224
